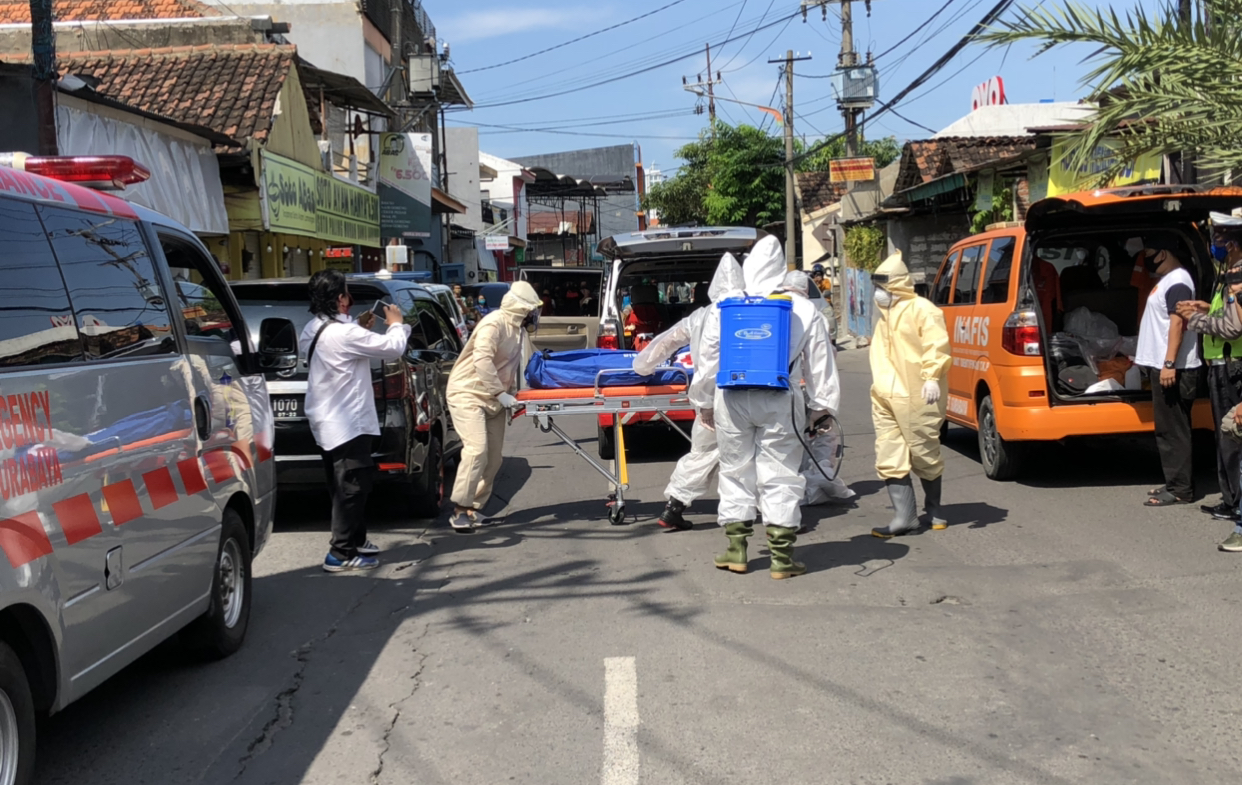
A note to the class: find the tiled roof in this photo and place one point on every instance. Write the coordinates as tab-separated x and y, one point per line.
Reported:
926	160
229	89
18	11
818	191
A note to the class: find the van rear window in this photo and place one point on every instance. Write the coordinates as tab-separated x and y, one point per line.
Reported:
36	320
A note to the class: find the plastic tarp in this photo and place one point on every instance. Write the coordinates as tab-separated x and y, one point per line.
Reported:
560	370
185	176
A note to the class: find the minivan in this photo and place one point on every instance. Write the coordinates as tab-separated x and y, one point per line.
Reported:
136	465
1007	334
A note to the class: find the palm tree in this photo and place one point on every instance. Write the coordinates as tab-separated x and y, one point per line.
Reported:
1163	82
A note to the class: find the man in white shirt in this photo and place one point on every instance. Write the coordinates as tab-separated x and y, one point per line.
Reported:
1169	355
340	405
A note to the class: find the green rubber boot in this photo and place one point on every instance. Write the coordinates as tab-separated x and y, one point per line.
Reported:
734	559
781	544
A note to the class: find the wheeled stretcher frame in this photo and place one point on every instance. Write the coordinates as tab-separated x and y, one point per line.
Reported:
619	402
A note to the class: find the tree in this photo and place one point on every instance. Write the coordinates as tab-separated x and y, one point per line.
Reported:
736	180
1162	84
884	151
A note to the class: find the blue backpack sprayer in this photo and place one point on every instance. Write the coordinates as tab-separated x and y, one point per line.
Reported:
754	353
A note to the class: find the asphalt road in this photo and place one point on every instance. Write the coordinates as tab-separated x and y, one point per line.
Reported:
1057	632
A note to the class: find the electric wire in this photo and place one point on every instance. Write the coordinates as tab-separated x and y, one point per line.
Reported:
581	38
742	48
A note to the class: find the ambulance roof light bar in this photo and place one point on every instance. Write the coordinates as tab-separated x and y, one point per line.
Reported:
103	172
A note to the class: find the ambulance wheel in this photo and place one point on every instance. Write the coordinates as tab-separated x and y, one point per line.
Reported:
1001	459
17	721
616	514
607	442
220	631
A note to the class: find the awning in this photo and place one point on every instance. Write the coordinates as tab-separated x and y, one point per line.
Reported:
451	90
341	90
442	203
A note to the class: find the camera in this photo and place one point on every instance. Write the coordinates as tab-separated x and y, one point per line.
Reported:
1232	277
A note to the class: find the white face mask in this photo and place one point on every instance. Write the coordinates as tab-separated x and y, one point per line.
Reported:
883	298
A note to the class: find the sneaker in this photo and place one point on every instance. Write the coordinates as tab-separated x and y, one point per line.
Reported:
462	522
356	564
1232	543
1221	512
480	522
368	549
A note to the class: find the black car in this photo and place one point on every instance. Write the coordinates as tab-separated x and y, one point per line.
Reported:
416	434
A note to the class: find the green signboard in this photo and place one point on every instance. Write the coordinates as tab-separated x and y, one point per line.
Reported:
301	200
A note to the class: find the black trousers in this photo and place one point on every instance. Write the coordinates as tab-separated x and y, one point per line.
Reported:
1172	407
350	473
1225	390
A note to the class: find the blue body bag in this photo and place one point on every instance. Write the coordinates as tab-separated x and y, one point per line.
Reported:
754	342
559	370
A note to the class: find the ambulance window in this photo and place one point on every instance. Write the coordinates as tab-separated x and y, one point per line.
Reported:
120	307
944	286
1000	264
201	296
36	320
967	285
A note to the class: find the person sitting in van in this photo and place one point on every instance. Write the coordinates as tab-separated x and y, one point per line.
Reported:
1169	358
1048	288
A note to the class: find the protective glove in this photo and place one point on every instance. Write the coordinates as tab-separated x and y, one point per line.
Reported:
708	418
507	400
931	392
815	418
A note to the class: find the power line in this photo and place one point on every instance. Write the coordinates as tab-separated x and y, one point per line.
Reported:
631	74
583	38
665	114
742	48
517	130
911	122
918	29
780	33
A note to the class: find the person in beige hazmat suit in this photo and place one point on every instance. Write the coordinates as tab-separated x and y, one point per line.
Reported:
909	371
480	393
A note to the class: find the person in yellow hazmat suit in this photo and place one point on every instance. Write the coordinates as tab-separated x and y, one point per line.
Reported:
909	371
481	392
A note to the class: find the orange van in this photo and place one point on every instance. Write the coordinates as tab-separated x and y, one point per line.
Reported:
1007	292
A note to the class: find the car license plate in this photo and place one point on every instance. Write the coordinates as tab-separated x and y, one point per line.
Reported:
287	407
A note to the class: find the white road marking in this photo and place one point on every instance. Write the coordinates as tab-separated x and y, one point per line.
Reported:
620	721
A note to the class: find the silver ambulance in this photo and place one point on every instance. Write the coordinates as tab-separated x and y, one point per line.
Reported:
136	470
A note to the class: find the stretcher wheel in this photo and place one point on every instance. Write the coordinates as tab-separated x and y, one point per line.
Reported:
616	514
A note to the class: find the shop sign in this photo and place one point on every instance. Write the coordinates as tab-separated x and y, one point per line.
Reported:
496	242
990	93
300	200
1062	180
405	185
850	170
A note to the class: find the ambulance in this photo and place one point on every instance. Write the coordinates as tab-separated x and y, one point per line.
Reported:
1043	316
136	466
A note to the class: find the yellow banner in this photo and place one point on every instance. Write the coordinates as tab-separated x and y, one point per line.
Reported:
301	200
1061	180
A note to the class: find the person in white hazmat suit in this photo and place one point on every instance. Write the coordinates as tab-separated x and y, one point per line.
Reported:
692	477
822	448
756	429
909	369
481	391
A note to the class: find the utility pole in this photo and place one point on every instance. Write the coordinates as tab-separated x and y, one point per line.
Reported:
710	86
43	48
792	224
847	65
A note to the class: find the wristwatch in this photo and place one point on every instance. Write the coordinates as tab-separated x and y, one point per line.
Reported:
1168	365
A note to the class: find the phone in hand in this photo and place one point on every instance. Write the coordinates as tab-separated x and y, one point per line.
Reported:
378	309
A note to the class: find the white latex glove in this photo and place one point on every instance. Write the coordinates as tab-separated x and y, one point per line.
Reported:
708	418
507	400
931	392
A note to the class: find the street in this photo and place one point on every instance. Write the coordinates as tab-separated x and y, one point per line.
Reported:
1057	632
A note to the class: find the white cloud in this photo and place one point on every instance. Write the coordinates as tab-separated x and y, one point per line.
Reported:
479	25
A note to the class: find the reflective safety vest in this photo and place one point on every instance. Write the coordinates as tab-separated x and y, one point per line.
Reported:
1213	347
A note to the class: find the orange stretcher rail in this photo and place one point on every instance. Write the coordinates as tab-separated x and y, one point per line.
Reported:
638	391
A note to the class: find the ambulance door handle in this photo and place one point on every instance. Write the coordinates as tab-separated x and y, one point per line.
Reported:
202	416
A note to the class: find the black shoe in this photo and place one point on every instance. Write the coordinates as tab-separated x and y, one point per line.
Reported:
1221	512
671	518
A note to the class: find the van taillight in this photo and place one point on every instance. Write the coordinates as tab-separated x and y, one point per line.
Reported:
608	336
1021	334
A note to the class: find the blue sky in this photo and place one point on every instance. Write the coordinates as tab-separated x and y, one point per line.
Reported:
653	109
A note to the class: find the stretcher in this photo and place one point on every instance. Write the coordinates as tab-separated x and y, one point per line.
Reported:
658	400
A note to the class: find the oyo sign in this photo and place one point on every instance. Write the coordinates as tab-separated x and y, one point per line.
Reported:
990	93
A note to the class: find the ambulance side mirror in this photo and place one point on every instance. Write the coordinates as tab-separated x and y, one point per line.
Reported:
278	345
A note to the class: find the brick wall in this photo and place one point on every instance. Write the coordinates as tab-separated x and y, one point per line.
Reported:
925	240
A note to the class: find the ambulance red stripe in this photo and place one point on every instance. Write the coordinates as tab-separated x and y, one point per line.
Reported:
192	476
78	519
122	502
23	539
219	465
160	487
